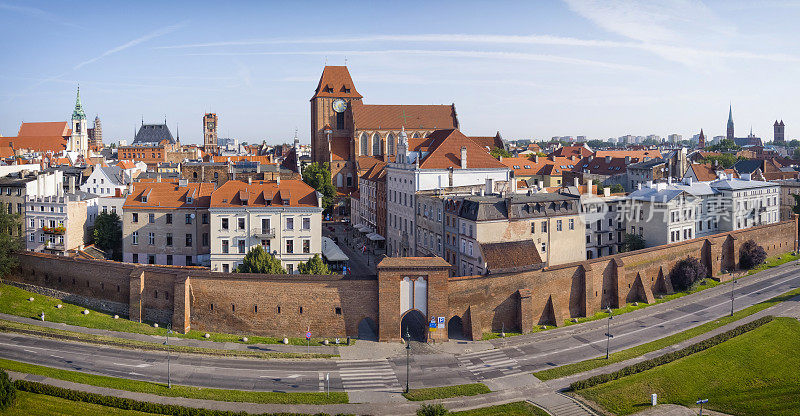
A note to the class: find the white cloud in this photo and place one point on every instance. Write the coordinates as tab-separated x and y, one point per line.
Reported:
129	44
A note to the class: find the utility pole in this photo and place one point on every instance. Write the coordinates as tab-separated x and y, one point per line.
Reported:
608	330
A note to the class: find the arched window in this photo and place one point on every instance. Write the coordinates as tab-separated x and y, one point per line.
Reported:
376	145
339	179
364	144
390	144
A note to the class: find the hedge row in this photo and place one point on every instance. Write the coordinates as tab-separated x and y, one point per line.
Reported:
130	404
669	357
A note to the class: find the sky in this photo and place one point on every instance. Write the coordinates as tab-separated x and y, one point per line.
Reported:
529	69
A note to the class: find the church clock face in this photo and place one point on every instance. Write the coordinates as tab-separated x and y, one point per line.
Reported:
210	125
339	105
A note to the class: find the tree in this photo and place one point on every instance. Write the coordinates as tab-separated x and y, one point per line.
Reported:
318	176
8	393
596	143
751	255
314	266
437	409
617	188
632	242
598	186
532	156
796	207
686	272
9	243
796	153
257	260
723	145
725	160
498	152
794	143
107	234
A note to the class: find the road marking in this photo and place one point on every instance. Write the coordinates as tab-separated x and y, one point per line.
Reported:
367	375
321	382
134	365
483	362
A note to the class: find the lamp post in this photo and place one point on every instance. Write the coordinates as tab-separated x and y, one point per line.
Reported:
166	342
408	356
733	287
608	329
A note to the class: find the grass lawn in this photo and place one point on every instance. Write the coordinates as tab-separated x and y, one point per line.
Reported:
752	374
447	391
29	404
774	261
176	391
615	357
29	329
509	409
14	301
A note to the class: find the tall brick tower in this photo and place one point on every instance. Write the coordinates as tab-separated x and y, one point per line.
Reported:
330	119
778	138
701	142
210	132
729	134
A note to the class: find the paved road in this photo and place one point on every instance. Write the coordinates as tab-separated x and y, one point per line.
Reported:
511	356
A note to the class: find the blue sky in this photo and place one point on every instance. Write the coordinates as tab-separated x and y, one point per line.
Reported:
530	69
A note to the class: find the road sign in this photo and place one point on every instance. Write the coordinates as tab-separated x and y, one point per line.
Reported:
702	401
308	335
441	322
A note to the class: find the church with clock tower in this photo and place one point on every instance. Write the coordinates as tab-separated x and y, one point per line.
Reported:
352	136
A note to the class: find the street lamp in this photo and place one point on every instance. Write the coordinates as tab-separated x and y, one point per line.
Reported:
166	342
408	356
608	329
733	287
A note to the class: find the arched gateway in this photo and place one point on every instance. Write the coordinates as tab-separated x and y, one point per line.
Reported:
412	294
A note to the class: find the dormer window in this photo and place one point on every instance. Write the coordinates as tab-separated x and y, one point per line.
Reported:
189	200
328	89
285	202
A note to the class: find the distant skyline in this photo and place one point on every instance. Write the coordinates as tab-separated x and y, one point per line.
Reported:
532	70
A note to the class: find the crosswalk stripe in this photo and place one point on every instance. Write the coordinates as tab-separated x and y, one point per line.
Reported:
367	375
488	361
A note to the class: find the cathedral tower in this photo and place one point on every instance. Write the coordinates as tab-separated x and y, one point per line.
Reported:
210	132
329	112
778	138
79	141
701	142
730	123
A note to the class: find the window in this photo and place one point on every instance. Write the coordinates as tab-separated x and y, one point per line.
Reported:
290	270
376	145
189	261
205	239
205	218
135	258
558	225
225	269
169	218
135	238
151	239
224	223
544	226
306	223
571	224
290	246
544	247
135	217
225	247
151	218
241	223
169	259
151	259
169	239
340	121
241	246
188	240
306	246
290	223
364	144
188	218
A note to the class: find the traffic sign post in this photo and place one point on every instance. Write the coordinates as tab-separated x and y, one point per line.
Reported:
701	402
308	339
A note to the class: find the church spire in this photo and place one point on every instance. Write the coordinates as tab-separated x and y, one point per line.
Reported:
77	113
730	134
730	114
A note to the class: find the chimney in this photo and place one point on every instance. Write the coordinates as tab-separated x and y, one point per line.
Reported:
627	160
576	182
183	182
463	157
489	186
501	158
649	184
158	178
608	159
278	179
606	191
72	184
687	180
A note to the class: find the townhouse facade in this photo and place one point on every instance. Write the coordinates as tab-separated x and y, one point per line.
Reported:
283	216
59	224
167	223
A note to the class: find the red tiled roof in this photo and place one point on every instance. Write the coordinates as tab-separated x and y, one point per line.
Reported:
35	143
264	193
337	78
445	152
264	160
566	151
603	165
489	142
51	128
168	195
126	164
634	154
545	166
6	151
706	172
372	117
511	254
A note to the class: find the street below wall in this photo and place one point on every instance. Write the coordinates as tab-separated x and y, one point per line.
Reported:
446	364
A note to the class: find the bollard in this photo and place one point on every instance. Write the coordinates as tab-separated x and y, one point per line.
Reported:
654	398
348	340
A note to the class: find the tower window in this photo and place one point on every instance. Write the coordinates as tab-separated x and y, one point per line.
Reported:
339	121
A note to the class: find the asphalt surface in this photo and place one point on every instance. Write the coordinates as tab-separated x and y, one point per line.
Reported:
511	356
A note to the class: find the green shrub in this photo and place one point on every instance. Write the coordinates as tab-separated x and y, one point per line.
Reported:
432	410
751	255
128	404
686	272
669	357
8	393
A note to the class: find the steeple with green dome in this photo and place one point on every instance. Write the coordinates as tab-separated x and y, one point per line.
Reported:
78	113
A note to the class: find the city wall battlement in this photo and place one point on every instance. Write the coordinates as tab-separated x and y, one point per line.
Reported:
338	306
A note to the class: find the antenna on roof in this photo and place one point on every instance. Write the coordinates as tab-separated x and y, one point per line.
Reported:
143	119
326	61
345	61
